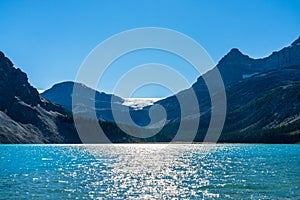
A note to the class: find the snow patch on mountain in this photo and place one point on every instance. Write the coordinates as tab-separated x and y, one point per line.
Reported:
139	103
249	75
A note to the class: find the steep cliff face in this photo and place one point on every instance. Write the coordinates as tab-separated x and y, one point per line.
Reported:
25	117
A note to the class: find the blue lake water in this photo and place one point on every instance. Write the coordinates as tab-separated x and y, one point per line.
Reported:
150	171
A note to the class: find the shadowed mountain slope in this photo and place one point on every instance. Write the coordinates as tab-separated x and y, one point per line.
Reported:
25	117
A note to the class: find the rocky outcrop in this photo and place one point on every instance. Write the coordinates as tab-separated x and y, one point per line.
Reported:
25	117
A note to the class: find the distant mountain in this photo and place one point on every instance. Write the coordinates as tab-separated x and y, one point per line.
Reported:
235	66
25	117
62	93
261	98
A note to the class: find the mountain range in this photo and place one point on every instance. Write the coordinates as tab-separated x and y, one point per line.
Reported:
262	104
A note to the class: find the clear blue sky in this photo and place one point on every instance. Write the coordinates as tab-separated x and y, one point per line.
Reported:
48	39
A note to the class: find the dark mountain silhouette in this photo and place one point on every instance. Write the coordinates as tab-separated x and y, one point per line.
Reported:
25	117
90	99
258	109
234	66
264	108
62	93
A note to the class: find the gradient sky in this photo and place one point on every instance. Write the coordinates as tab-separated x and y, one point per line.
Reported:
49	39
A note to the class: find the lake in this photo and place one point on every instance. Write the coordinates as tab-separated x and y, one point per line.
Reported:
150	171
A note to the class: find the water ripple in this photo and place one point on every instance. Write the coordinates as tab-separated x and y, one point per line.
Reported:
146	172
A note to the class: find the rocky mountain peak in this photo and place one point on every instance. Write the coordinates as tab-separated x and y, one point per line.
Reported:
234	56
14	85
235	51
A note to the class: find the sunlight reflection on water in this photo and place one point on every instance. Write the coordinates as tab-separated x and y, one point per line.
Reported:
145	171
